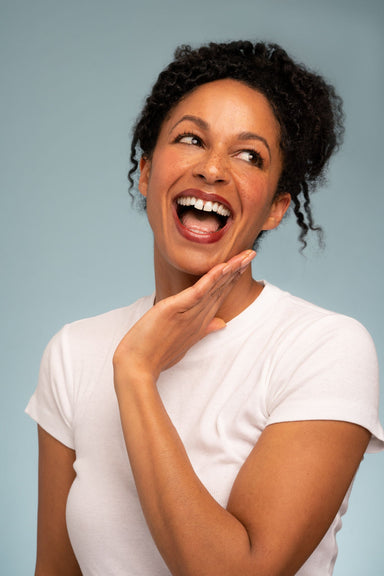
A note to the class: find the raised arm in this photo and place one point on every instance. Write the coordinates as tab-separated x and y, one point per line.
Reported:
55	556
287	492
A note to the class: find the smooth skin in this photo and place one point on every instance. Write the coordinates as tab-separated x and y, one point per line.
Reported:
55	556
224	139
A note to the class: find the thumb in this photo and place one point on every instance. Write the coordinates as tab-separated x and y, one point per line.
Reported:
215	325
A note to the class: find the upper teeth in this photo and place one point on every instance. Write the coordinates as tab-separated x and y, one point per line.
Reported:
207	206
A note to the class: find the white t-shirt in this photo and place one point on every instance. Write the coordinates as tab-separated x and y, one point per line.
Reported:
281	359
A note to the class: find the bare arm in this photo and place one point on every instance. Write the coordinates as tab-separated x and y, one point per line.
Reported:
286	494
55	556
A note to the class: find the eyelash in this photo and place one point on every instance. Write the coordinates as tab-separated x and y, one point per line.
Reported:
256	161
257	158
189	135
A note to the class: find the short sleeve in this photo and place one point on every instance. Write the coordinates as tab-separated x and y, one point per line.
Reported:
51	405
329	372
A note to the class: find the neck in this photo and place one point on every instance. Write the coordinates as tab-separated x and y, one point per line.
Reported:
170	281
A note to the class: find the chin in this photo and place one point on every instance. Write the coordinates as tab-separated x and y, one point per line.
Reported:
197	269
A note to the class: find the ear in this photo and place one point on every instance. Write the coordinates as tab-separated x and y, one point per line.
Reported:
145	169
279	207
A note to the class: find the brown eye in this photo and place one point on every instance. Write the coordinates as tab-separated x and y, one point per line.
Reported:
189	138
251	156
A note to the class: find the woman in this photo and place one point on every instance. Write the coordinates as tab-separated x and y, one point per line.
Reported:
243	410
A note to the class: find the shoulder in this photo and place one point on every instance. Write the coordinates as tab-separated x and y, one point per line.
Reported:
96	334
306	321
324	366
321	351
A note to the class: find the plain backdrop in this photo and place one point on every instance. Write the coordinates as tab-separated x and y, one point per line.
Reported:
74	74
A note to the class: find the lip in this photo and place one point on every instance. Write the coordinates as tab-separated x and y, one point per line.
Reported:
204	238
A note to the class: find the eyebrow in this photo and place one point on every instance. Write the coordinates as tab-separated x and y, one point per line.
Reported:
205	126
254	136
196	119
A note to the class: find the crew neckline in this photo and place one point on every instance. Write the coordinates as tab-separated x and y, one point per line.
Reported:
264	300
250	318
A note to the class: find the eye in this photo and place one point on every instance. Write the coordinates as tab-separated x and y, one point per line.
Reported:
251	156
189	138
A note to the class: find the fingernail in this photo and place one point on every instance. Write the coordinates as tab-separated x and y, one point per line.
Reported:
226	269
248	258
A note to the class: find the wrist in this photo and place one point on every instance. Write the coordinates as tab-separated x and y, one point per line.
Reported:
133	380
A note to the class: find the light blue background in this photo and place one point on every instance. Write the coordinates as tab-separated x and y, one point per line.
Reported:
73	77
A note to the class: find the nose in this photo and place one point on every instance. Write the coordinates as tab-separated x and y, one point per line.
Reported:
212	168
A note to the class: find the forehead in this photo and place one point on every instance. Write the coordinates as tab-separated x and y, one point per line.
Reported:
227	102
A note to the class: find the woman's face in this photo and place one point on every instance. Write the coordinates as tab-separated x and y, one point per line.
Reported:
211	181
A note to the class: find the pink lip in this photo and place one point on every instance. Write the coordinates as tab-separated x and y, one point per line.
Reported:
209	237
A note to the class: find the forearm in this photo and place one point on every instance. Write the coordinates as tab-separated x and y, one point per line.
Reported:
193	532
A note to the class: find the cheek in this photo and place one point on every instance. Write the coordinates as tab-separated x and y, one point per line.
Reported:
254	191
164	173
257	198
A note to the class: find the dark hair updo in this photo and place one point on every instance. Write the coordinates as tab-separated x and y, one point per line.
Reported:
307	108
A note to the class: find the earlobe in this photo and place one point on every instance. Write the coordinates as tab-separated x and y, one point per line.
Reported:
145	166
279	207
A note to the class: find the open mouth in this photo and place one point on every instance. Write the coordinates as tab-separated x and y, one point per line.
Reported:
204	217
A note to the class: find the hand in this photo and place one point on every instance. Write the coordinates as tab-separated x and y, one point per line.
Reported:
172	326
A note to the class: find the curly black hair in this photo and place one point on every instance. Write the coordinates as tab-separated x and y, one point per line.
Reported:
307	108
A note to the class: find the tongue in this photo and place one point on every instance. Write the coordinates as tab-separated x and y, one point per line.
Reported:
198	221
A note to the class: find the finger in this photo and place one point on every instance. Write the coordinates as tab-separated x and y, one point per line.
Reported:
215	325
240	261
231	273
225	273
210	291
212	285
